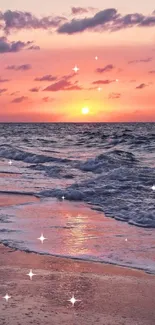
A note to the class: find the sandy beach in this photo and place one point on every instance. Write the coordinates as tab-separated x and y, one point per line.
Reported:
109	294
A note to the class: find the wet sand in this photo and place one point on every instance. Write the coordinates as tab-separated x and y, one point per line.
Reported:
109	295
12	199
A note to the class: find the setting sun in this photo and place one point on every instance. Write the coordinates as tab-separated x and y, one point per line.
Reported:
85	110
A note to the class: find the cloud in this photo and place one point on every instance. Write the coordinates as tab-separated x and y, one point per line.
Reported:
47	77
17	20
68	76
34	47
114	95
80	10
79	25
102	82
15	93
107	20
152	71
19	100
107	68
127	21
7	47
148	21
3	80
119	70
34	90
47	99
64	84
2	90
141	86
23	67
141	60
73	87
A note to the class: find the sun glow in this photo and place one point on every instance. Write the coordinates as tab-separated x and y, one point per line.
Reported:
85	110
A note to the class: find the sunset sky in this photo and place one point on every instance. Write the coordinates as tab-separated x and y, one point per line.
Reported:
112	45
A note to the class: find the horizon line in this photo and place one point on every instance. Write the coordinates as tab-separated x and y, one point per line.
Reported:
105	122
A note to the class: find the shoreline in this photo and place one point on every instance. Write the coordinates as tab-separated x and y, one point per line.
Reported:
69	260
78	259
108	294
92	206
73	208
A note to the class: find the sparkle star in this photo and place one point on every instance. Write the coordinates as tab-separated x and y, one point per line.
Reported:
117	80
75	69
99	88
73	300
31	274
96	57
10	162
42	238
63	197
153	187
7	297
126	239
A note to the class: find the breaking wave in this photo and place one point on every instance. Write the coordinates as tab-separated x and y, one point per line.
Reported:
110	166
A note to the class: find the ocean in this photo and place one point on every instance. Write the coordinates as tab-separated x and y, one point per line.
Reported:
109	167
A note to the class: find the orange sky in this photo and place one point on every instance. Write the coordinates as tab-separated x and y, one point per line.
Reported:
126	55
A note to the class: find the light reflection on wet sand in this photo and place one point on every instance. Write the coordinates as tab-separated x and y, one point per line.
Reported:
73	229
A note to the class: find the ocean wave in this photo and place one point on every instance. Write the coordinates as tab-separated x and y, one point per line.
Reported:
114	191
110	166
112	159
69	194
10	152
20	246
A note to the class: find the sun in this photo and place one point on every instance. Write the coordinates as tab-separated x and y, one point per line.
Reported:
85	110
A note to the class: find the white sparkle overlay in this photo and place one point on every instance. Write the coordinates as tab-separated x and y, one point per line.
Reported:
99	88
63	197
96	58
75	69
31	274
73	300
42	238
153	188
10	162
7	297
